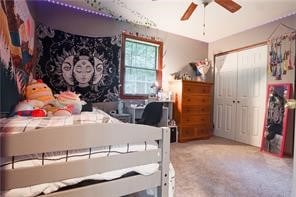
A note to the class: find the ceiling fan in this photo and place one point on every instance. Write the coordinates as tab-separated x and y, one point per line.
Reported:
227	4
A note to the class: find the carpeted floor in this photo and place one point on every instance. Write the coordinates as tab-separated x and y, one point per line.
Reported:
221	167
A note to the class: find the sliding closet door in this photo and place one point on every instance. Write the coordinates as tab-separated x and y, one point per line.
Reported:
251	91
225	95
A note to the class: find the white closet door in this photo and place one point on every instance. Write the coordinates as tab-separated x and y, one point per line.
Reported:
251	94
225	95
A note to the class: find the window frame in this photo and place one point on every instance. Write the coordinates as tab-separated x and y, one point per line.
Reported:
126	36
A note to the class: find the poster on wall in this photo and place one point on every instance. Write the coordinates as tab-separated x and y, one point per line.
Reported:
17	29
86	65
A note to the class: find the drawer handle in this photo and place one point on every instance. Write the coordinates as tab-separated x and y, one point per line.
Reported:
188	100
203	100
204	90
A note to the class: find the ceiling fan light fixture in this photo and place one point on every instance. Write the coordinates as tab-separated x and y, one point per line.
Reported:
229	5
189	11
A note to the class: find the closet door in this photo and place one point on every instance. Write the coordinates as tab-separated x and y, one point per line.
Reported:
225	95
251	92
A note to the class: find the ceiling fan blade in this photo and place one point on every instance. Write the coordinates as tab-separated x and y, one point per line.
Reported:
189	11
229	5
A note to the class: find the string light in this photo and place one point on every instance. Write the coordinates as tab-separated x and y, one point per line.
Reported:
79	8
138	18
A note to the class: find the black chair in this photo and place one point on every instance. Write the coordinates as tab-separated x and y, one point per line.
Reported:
152	114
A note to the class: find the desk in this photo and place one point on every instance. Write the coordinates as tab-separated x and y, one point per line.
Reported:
137	111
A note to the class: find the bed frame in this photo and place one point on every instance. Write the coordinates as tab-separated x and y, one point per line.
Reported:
86	136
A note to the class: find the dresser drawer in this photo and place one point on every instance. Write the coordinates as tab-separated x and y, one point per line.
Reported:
203	132
186	133
196	100
194	89
194	132
196	109
195	119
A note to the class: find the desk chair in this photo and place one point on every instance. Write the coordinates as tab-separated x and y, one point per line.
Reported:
152	114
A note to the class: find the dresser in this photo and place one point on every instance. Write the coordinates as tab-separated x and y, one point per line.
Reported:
192	109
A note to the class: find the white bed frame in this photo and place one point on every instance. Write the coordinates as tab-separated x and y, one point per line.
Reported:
86	136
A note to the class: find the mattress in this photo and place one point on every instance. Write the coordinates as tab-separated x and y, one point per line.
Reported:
27	124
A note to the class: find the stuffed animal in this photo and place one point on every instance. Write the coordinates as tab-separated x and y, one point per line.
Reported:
30	108
37	90
70	98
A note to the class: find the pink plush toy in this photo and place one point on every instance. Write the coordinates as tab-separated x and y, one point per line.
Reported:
69	98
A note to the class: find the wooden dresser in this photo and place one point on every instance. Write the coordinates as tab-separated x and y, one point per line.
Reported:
192	109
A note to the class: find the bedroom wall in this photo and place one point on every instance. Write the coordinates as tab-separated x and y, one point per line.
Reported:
178	50
253	36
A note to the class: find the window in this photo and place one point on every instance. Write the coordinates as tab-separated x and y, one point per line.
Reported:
140	66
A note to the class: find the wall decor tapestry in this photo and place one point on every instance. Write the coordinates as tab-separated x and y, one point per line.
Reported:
282	56
16	38
86	65
17	29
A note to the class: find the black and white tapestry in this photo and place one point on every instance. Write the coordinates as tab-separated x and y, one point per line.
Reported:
86	65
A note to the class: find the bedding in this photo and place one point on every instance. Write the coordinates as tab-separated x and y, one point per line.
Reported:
26	124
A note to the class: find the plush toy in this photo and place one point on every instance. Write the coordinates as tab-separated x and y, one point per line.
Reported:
37	90
69	98
62	112
24	106
30	108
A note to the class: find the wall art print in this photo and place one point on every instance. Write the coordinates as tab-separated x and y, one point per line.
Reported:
86	65
276	116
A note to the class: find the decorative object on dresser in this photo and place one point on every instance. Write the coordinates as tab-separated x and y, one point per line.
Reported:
192	109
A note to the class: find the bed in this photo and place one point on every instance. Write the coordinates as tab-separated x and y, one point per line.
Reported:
42	152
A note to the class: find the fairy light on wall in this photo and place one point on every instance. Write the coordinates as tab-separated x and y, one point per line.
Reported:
137	17
79	8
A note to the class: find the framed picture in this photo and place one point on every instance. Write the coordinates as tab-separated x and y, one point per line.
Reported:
276	116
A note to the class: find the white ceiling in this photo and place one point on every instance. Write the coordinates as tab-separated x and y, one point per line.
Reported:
220	23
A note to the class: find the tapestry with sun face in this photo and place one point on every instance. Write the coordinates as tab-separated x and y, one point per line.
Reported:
86	65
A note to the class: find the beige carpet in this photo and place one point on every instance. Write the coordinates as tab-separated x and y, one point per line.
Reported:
220	167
